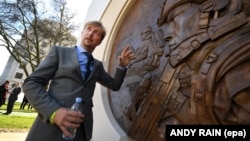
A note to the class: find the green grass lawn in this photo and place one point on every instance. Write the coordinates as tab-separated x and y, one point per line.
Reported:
18	120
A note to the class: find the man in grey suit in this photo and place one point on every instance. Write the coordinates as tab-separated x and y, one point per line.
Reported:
64	70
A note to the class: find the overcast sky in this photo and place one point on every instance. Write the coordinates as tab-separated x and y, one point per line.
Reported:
78	6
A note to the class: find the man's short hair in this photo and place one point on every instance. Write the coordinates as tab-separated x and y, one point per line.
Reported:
99	24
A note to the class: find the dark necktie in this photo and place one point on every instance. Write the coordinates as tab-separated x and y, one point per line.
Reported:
88	65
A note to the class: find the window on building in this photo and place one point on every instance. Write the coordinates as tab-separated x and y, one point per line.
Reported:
19	75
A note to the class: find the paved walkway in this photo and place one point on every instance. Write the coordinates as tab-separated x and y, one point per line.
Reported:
14	136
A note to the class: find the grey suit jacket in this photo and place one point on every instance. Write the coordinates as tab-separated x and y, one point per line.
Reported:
62	71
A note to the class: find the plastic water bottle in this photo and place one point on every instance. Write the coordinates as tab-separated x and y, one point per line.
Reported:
77	106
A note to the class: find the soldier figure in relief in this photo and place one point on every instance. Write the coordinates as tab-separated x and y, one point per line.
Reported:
209	47
140	70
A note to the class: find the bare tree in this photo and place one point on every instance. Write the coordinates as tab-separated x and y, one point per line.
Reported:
27	30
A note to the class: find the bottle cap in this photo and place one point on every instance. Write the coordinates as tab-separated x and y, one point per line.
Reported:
78	99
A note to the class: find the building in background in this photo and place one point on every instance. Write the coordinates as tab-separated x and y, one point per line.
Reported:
12	71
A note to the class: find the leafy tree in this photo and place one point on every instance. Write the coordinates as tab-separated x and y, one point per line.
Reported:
28	31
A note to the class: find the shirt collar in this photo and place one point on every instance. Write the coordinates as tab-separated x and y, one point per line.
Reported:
81	49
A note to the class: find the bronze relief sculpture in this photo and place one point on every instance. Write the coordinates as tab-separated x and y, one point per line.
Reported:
193	67
214	50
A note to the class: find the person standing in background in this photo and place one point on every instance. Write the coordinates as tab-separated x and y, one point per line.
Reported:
7	94
65	69
12	98
3	91
24	102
